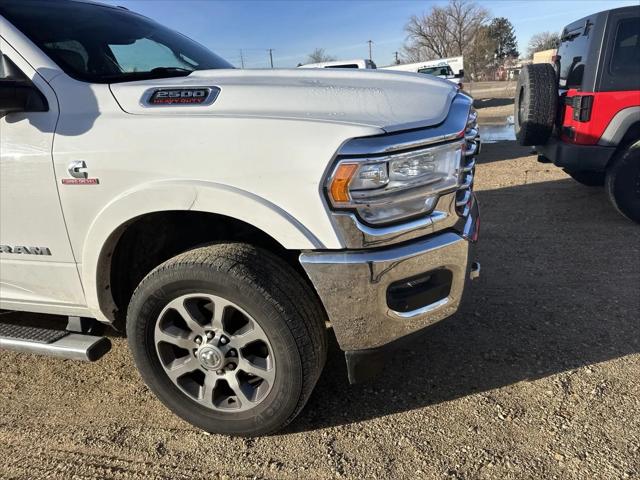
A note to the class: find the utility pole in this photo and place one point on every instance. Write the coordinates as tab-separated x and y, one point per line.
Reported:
241	59
397	61
370	42
271	56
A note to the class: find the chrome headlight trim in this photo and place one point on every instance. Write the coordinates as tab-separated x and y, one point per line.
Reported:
451	206
427	173
377	195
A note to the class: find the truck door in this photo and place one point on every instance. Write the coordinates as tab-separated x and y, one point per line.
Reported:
37	269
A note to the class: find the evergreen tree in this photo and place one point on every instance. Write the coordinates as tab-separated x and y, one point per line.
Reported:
502	32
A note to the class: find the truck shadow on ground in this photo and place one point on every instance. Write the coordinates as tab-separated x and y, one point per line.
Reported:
555	295
502	150
492	102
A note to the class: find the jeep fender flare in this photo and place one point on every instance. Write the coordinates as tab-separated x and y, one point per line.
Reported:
619	126
187	195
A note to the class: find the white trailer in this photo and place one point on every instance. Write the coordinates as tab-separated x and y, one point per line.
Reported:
451	69
455	63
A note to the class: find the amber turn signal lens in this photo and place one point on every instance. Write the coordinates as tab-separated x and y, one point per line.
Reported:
339	189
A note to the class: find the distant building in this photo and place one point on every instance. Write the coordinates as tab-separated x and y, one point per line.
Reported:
510	69
545	56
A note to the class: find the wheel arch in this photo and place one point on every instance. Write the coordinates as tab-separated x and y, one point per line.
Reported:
623	128
218	211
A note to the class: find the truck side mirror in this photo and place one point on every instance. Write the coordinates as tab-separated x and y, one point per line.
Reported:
17	92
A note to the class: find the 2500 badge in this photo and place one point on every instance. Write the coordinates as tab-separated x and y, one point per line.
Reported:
182	96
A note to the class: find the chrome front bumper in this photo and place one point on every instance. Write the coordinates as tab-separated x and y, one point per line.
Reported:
354	285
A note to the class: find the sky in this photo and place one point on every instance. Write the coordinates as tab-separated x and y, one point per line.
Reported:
294	28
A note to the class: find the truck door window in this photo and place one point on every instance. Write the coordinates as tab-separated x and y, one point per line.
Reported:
9	70
89	41
73	53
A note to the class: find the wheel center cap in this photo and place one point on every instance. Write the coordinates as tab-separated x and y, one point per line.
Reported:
210	357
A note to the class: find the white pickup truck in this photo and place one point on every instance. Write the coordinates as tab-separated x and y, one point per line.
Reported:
451	69
221	217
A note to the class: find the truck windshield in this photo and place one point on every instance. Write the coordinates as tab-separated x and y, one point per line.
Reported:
103	44
437	71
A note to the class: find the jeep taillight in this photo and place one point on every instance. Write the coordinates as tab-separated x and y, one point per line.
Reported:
581	105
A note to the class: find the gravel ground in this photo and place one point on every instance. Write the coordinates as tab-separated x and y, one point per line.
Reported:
493	100
535	377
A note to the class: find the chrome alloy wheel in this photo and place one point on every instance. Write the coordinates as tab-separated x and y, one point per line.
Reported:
215	352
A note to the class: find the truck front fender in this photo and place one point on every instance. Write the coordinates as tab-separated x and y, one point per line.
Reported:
177	195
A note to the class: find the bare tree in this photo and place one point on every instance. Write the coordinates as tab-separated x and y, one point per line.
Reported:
465	17
428	34
542	41
444	31
319	56
480	60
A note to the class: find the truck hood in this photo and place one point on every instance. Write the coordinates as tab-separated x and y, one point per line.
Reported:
387	100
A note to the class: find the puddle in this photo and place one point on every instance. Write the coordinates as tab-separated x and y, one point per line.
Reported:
498	133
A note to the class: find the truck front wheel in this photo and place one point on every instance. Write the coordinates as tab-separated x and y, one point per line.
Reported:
623	182
229	337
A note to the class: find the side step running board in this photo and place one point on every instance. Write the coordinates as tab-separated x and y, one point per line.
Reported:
56	343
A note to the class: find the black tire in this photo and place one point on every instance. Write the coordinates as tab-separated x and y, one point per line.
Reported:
275	295
536	104
589	179
623	182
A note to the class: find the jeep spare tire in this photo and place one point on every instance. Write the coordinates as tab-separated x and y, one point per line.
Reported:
536	103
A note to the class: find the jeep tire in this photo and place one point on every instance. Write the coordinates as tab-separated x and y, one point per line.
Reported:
192	308
623	182
536	103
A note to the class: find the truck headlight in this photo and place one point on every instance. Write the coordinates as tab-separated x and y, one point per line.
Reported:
390	188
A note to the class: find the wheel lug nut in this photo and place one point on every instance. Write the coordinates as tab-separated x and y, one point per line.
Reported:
198	340
232	366
220	372
232	353
209	335
223	340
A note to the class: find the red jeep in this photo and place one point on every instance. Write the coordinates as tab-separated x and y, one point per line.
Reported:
583	112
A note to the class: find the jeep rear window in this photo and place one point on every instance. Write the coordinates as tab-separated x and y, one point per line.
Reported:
572	56
103	44
626	48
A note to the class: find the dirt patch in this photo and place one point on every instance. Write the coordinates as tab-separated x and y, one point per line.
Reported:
492	89
493	101
535	377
